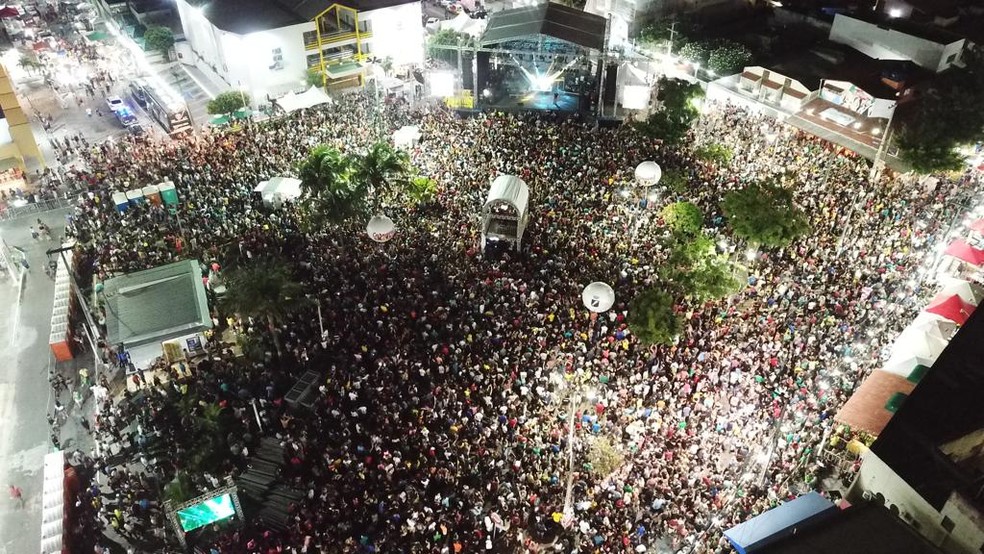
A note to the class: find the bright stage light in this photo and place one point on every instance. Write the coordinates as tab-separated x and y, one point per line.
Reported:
442	84
542	83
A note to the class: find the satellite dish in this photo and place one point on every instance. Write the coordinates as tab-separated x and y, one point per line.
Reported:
648	174
598	297
381	228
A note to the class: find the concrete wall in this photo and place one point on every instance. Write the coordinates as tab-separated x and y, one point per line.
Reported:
397	33
876	477
248	61
883	43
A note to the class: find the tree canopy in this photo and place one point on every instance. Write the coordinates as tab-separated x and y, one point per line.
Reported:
651	317
683	217
337	187
227	102
263	289
159	38
728	58
764	213
677	112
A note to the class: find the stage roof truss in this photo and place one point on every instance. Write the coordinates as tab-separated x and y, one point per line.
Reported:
548	19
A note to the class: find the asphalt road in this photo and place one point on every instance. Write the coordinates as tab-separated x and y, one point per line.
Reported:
25	361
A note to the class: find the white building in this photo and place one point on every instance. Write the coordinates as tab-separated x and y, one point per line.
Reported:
928	47
267	46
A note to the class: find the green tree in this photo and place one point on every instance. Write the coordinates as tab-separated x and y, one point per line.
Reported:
421	190
651	317
227	102
604	457
674	180
683	217
656	35
928	157
159	39
712	277
677	112
728	58
314	77
717	154
380	168
695	52
28	63
263	289
329	193
764	213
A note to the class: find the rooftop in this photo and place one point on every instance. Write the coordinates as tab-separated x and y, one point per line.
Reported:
867	528
928	32
841	63
155	304
250	16
547	18
945	406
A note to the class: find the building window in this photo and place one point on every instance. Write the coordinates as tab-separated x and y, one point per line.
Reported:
314	60
310	38
947	524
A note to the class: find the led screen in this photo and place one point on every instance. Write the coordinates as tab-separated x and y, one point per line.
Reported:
212	510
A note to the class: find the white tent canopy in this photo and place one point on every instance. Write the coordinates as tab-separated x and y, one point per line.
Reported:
278	190
971	293
463	23
511	190
904	367
407	136
916	343
504	214
311	97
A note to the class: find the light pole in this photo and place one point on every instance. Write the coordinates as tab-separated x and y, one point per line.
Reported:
598	298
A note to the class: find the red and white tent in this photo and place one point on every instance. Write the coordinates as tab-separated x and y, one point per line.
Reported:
951	307
961	250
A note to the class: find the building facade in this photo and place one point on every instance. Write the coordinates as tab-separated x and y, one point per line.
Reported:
926	46
267	47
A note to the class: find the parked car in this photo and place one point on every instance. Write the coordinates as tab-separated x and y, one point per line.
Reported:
136	130
115	103
479	14
454	9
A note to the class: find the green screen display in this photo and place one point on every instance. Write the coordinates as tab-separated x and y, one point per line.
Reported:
199	515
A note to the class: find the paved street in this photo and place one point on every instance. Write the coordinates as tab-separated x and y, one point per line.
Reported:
25	361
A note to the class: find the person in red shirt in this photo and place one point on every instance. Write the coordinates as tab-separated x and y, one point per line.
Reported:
16	494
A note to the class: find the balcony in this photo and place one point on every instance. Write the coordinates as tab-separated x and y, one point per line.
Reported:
335	36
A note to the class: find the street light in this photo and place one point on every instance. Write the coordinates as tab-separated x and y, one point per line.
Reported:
381	228
648	174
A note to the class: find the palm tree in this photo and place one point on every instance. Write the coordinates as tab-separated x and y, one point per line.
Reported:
330	192
263	289
28	64
381	167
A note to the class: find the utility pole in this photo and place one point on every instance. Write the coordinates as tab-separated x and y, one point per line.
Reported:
669	48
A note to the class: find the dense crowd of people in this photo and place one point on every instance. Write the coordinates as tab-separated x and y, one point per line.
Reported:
450	376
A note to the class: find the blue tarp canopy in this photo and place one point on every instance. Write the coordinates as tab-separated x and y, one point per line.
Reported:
779	522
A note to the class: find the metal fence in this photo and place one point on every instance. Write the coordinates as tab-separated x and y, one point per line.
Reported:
15	212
